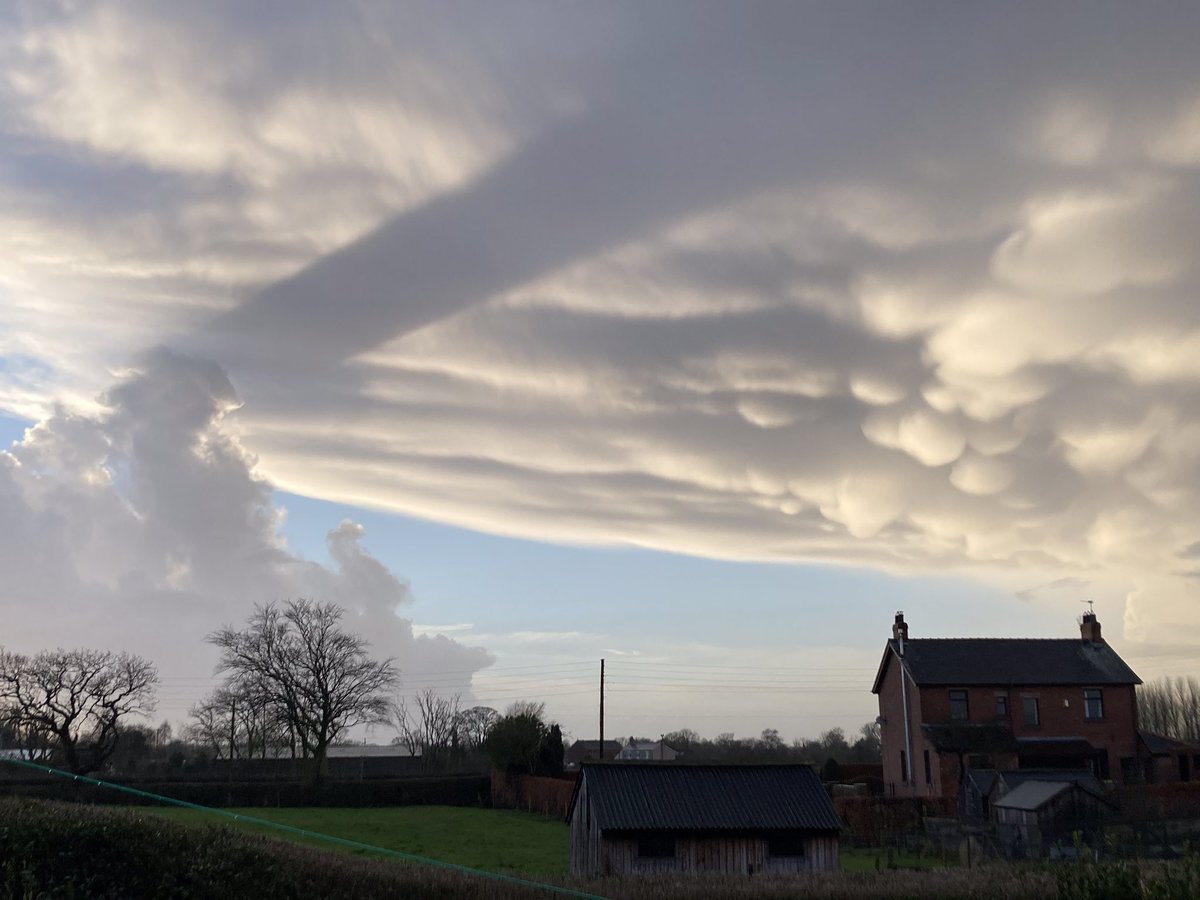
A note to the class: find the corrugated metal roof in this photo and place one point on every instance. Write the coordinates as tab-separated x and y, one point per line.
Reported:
1086	780
633	797
1013	661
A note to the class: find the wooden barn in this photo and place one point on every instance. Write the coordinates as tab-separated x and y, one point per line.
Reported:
631	818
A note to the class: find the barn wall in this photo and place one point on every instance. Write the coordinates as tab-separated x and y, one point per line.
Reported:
735	855
586	848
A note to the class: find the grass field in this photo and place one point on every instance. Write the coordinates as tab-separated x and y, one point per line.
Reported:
493	839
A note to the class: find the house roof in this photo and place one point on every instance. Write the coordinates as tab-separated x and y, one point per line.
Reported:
983	779
964	737
582	750
1008	661
1032	794
1161	745
636	797
649	745
1081	777
1064	746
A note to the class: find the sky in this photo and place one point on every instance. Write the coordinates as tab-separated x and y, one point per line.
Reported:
696	337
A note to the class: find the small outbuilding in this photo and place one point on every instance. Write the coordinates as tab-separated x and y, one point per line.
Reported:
634	818
1038	813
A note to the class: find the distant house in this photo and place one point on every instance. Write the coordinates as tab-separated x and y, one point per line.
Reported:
651	818
588	751
644	750
951	704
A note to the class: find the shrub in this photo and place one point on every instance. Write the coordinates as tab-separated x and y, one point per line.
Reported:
57	850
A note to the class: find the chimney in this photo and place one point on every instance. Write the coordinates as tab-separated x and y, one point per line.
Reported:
1089	628
900	629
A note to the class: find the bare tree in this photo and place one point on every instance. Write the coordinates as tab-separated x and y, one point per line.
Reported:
1171	707
77	698
429	723
238	720
210	725
474	725
317	675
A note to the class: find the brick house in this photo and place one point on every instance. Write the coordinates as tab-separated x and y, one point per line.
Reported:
949	704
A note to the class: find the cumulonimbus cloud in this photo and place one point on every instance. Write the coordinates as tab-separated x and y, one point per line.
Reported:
145	527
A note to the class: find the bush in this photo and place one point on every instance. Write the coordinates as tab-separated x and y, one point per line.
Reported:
56	850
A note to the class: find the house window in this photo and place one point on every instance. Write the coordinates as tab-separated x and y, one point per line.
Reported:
928	769
958	706
903	765
656	846
1029	705
1093	703
785	844
1002	706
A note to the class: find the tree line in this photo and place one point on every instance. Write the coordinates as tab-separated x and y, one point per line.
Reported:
769	746
1171	707
294	683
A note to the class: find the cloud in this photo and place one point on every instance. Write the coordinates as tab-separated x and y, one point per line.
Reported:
795	284
145	526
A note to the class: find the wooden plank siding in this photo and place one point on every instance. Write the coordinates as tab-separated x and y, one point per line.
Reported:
701	822
586	843
595	853
733	855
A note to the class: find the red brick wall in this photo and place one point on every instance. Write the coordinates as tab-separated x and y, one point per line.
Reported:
1061	714
891	733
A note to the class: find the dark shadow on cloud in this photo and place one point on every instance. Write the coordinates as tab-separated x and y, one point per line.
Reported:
704	116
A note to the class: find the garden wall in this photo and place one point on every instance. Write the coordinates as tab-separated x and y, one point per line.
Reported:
548	796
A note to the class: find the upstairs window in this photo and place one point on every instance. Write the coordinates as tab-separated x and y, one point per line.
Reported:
1002	706
1029	705
958	706
1093	703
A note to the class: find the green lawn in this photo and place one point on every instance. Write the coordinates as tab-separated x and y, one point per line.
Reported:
493	839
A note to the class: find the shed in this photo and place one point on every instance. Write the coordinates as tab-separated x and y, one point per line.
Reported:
1035	814
636	818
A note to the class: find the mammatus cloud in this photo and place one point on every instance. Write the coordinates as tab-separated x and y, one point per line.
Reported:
145	527
799	283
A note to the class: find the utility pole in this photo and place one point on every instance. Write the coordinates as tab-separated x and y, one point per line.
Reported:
601	710
232	736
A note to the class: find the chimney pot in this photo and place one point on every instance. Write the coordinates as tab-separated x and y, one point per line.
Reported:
900	628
